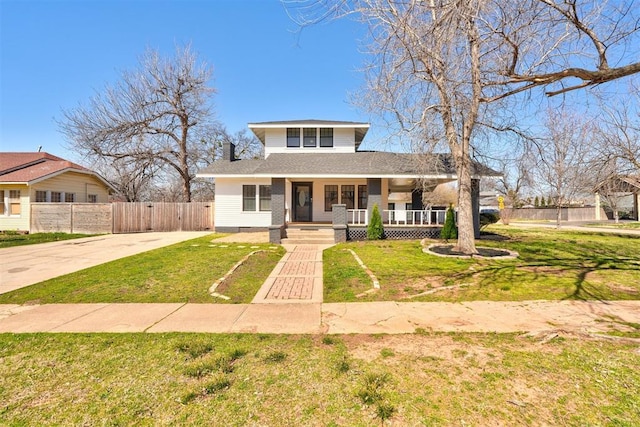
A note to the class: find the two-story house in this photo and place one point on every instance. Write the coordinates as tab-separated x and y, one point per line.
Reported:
312	165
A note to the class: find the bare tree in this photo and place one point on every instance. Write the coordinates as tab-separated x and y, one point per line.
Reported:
516	177
160	113
132	178
611	188
619	136
444	66
563	160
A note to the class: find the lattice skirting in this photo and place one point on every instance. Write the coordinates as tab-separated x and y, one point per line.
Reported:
397	233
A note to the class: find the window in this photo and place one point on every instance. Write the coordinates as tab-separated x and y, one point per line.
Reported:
326	137
265	197
69	197
392	214
293	137
41	196
2	211
362	197
92	198
309	137
348	196
14	202
330	197
56	196
248	198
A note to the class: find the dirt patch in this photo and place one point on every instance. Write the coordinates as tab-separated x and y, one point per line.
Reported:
449	251
437	347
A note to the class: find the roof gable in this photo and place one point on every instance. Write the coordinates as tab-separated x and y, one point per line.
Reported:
33	167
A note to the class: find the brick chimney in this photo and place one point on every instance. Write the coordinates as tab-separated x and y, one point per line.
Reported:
228	151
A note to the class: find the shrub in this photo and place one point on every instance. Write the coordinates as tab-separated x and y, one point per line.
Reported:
450	230
375	231
488	218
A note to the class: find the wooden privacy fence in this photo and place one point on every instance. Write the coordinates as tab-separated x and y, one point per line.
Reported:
161	216
121	217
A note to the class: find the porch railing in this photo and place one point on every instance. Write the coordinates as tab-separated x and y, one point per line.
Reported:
357	217
399	217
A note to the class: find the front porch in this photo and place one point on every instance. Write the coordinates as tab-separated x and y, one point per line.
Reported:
345	205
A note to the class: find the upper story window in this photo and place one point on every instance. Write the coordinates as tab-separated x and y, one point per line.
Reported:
293	137
310	137
326	137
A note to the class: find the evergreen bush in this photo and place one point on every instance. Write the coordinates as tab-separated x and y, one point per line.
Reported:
375	231
450	230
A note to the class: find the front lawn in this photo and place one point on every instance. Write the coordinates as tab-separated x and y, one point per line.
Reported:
553	265
179	273
9	239
358	380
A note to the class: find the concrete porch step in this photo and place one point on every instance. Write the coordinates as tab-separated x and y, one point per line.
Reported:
309	236
288	241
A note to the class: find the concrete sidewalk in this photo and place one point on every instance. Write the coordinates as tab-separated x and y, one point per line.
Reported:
315	318
26	265
579	226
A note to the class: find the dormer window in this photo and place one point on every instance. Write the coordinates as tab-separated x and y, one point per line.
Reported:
310	137
326	137
293	137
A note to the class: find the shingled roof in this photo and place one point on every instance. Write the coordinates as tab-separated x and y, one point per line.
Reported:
31	167
361	164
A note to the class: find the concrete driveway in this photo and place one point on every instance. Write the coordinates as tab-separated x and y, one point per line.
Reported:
22	266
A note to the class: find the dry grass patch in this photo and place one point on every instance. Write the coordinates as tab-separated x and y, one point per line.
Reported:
360	380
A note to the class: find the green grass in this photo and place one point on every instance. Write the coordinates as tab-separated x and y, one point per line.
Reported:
241	287
178	273
553	265
432	379
10	239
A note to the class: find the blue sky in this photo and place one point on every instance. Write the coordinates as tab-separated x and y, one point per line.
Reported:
55	54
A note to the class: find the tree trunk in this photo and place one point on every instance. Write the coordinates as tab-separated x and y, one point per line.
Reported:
558	215
466	235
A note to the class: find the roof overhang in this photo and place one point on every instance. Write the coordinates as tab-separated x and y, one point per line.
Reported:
60	172
330	176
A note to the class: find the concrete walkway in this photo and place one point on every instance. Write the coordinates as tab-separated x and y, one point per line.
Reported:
22	266
315	318
580	226
297	278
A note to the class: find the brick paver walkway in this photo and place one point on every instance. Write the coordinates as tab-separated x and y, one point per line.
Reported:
296	278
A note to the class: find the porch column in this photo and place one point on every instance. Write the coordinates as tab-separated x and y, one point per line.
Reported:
339	220
597	206
276	230
374	197
636	205
475	206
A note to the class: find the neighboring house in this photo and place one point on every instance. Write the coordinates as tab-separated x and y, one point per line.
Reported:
27	178
312	165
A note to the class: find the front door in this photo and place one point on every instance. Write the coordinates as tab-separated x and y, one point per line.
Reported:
302	199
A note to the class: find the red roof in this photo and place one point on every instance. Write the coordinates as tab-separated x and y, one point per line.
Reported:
28	167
